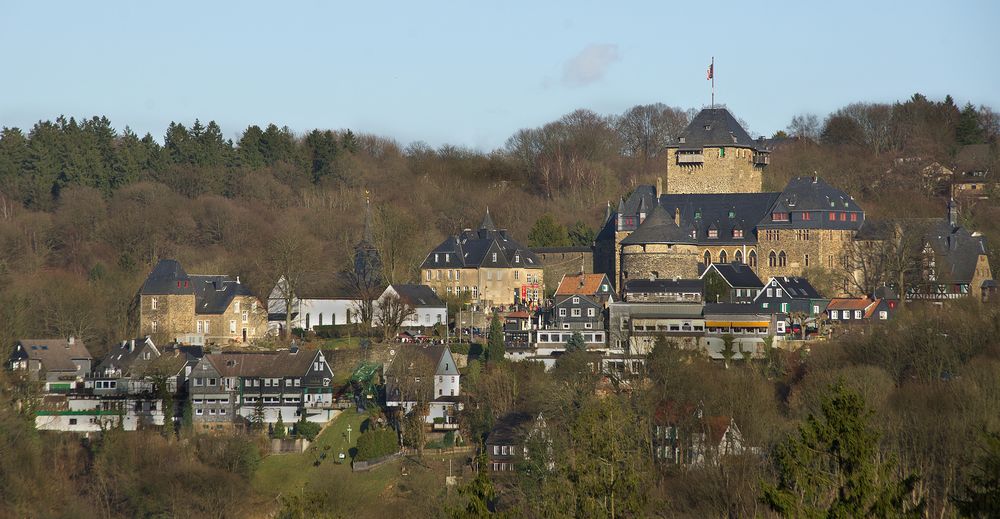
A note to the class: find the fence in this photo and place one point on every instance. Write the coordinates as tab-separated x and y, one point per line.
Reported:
362	466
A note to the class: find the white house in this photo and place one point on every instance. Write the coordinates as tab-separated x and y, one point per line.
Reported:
444	401
427	308
320	300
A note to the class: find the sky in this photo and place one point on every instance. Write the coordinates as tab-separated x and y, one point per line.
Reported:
471	73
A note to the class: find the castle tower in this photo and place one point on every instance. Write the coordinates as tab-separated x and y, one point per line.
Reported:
714	154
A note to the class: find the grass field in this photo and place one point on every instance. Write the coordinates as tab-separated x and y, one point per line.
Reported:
407	487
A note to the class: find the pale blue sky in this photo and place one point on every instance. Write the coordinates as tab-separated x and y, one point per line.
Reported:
472	73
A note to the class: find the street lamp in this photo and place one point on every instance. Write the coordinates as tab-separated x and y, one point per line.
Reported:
348	435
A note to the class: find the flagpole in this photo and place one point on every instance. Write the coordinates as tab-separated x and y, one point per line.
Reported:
713	82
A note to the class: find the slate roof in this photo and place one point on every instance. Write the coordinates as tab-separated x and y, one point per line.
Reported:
475	249
510	429
796	288
417	295
701	213
55	354
736	274
276	364
325	285
642	286
741	309
212	293
127	356
812	194
714	127
956	251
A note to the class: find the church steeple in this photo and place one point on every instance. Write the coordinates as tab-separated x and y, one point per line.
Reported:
367	260
488	222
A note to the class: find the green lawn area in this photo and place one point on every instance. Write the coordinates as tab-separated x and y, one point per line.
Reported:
381	491
342	343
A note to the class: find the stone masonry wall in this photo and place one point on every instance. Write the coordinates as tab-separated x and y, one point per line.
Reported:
734	173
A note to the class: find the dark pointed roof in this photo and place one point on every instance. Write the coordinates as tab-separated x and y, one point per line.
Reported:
488	222
701	212
714	127
417	296
368	237
736	274
658	227
810	194
212	293
167	278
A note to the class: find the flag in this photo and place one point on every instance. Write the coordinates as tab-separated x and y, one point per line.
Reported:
711	71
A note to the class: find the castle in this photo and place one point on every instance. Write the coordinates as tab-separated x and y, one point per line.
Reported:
714	210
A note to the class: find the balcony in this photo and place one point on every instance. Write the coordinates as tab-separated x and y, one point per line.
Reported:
761	159
690	158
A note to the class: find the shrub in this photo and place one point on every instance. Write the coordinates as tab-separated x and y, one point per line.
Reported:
307	430
449	439
376	443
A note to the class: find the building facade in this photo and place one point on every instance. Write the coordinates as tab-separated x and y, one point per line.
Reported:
714	154
198	309
488	266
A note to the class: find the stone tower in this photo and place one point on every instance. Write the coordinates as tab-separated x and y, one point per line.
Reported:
367	260
714	154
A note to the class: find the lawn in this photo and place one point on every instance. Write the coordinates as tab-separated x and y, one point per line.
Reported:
416	486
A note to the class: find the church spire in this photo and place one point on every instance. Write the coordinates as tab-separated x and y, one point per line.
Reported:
488	222
368	235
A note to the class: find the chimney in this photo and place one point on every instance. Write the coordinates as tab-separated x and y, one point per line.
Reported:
659	187
237	280
71	341
677	216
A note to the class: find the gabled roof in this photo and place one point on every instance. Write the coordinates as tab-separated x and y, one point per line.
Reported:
795	287
128	356
475	249
417	296
714	127
812	194
956	251
511	429
581	284
167	278
282	363
738	275
53	354
212	293
849	303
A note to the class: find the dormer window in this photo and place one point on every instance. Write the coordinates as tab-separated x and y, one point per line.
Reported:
694	233
517	258
435	258
779	216
737	233
494	257
806	216
697	214
708	127
732	214
713	233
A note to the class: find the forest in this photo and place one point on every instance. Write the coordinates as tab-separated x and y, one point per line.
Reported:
86	209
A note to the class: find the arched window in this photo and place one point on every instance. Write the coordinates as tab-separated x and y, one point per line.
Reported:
772	259
738	257
782	259
723	257
752	259
708	258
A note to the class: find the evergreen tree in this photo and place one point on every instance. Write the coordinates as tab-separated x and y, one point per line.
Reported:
547	233
968	130
187	416
581	234
479	494
982	491
279	427
495	348
833	468
576	343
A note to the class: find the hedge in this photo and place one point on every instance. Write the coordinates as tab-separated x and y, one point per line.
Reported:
376	443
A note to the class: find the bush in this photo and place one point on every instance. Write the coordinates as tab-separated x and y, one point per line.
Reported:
438	419
336	331
307	430
449	439
460	347
377	443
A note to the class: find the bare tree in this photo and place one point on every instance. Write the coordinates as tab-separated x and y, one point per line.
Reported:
289	258
392	312
805	126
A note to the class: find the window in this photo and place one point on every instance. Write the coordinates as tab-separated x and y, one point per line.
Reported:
737	233
206	327
152	326
883	315
784	308
843	217
236	307
591	312
723	257
212	381
489	275
847	314
770	292
806	259
833	217
517	274
772	259
708	258
198	326
806	216
428	275
198	381
777	292
199	411
857	314
834	314
494	257
232	326
854	217
152	303
576	300
779	217
576	312
562	312
782	259
713	233
752	259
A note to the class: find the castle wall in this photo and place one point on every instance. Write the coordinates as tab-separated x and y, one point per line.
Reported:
723	170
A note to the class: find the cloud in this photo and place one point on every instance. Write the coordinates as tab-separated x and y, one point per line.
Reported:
590	64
